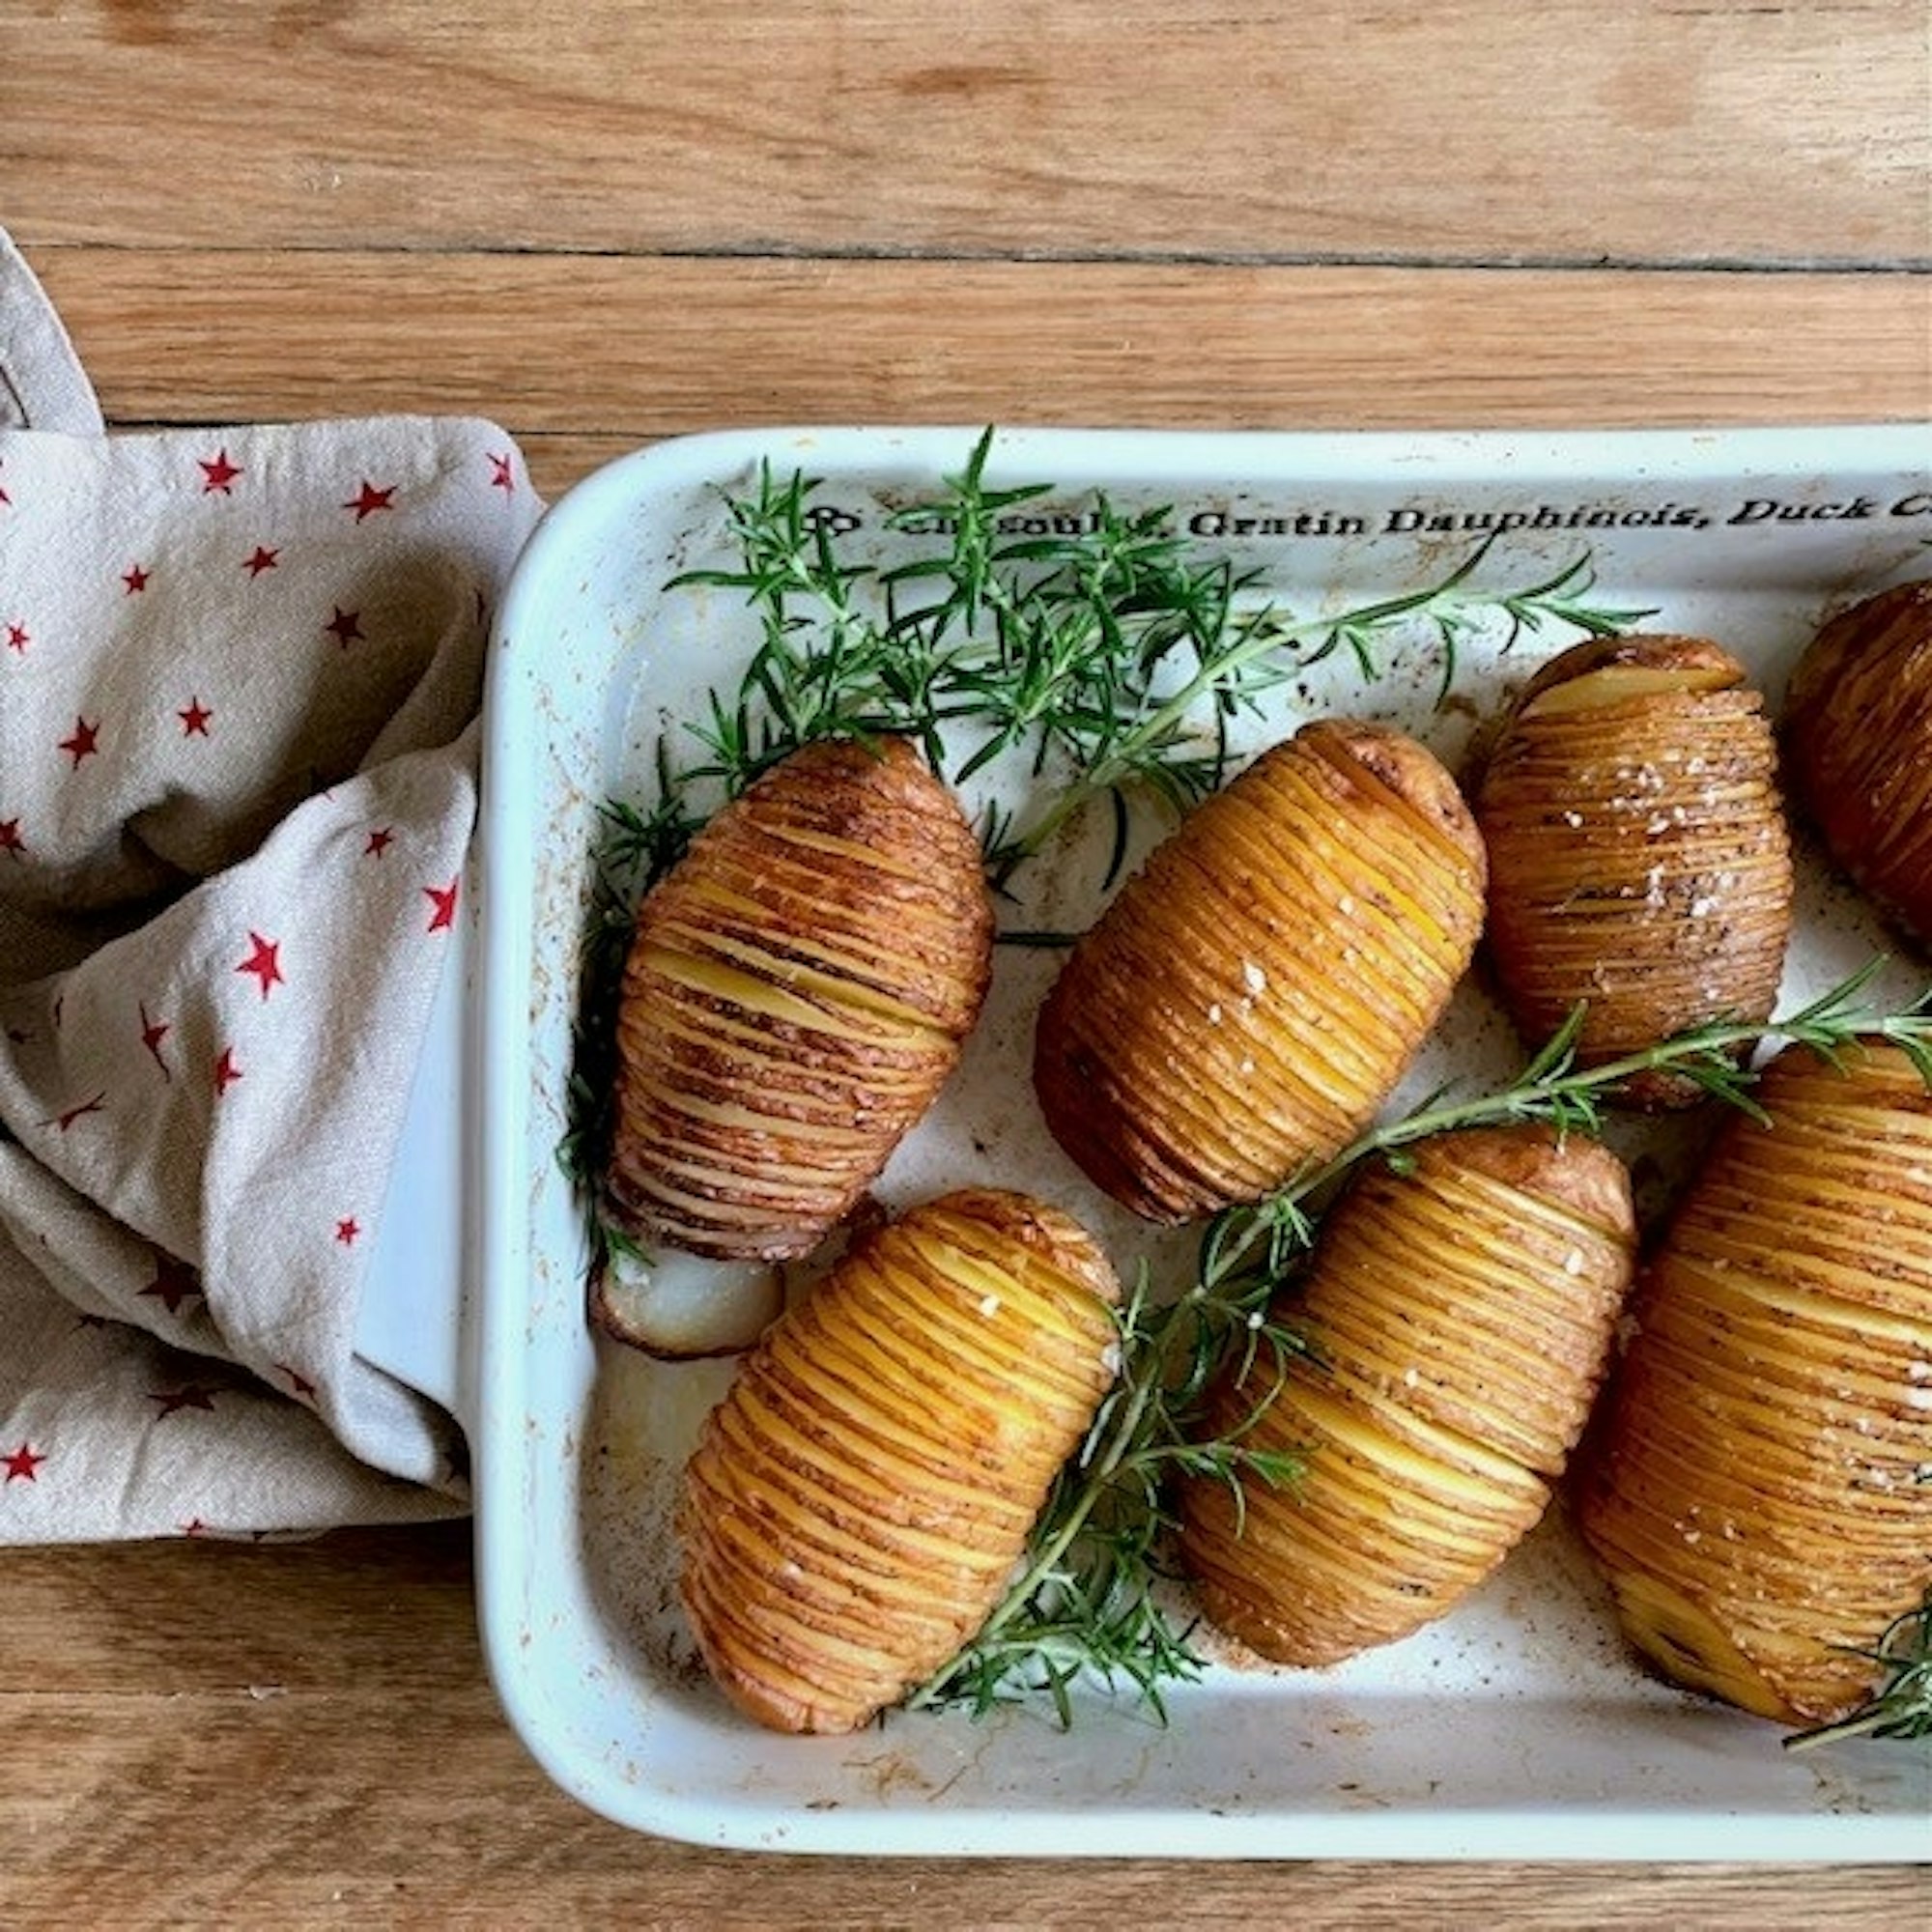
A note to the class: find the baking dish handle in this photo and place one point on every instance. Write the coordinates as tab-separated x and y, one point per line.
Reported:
413	1321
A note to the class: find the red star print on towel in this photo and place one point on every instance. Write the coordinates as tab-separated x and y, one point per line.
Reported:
190	1395
227	1070
345	626
135	579
347	1229
19	638
83	742
265	962
194	716
153	1033
368	499
500	477
219	476
23	1465
444	898
62	1123
175	1282
379	842
10	839
299	1383
260	560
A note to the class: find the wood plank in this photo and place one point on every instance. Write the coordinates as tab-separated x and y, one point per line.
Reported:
191	1733
1703	130
587	356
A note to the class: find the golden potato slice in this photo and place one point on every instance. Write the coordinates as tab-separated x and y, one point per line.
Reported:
797	990
1858	735
1757	1495
1248	999
1639	856
1461	1316
859	1498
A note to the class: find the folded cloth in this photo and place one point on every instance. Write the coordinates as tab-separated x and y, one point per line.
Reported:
240	673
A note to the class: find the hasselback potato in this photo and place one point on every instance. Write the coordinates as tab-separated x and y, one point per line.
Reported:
1857	733
1757	1494
1639	855
1249	999
797	990
1460	1315
859	1498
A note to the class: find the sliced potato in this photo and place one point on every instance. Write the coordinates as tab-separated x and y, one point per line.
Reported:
1639	856
1858	734
797	990
1250	997
859	1498
1758	1495
1459	1316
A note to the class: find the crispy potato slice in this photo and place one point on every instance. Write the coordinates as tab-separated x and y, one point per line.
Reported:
1757	1494
1858	736
1639	856
859	1498
798	989
1250	997
1459	1316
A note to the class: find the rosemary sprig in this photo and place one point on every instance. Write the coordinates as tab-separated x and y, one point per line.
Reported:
1901	1706
1087	1596
1112	657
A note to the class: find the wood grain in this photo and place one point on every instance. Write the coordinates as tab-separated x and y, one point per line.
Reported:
1710	130
607	223
610	351
205	1734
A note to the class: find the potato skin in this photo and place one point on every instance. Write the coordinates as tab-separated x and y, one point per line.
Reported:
1858	739
1250	997
1639	856
797	990
1461	1318
857	1502
1755	1494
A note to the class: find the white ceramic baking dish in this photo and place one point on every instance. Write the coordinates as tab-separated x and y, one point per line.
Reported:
1518	1727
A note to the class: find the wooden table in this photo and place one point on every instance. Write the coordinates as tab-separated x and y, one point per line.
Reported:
606	223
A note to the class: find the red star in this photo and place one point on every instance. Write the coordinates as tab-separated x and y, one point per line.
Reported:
379	842
195	1526
226	1071
368	499
347	1229
264	558
218	476
10	839
191	1395
84	741
153	1033
194	716
345	626
444	898
175	1282
135	579
500	477
299	1383
22	1465
19	638
264	962
63	1121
